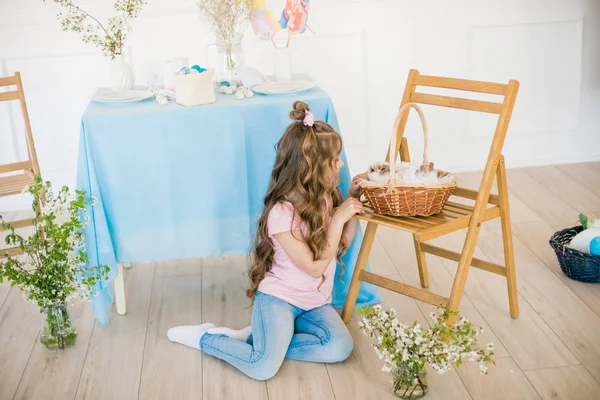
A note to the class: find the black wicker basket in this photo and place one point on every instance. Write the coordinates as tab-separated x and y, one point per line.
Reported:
575	264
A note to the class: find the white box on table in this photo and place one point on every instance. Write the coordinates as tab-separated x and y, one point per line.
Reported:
195	89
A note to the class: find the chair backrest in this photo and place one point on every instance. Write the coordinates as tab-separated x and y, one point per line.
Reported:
503	109
32	162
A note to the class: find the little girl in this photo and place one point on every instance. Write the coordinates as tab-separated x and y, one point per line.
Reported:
305	226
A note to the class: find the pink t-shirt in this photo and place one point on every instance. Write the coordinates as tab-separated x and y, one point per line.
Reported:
285	280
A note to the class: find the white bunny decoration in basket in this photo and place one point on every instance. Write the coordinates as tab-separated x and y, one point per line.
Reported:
379	172
403	189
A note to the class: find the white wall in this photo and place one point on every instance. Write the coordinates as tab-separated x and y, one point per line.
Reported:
361	57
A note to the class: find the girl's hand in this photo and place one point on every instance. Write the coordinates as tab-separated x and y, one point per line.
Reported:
354	189
347	210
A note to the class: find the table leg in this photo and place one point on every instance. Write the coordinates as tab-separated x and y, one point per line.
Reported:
119	287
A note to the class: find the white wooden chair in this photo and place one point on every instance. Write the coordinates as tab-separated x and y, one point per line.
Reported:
16	176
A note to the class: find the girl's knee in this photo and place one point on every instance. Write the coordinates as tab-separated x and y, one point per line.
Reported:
340	347
264	370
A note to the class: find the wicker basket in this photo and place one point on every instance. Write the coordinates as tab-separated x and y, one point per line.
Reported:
575	264
405	199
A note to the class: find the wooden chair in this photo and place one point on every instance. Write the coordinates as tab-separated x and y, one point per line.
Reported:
15	176
454	216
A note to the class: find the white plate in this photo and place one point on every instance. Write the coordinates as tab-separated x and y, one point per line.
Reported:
284	87
127	96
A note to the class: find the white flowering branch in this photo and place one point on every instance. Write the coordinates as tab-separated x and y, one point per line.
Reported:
110	37
411	348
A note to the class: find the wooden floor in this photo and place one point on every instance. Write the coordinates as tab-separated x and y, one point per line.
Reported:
551	352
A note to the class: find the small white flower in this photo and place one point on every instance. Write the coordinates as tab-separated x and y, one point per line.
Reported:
473	356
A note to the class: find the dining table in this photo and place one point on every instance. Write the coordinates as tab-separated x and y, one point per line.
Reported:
171	182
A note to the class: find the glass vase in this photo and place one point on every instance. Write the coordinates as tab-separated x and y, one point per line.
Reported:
229	58
58	331
409	383
283	64
121	76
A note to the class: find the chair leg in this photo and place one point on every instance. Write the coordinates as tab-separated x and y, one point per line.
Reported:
422	263
119	286
460	279
509	257
361	263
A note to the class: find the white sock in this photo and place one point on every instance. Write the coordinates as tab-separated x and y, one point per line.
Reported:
239	334
189	335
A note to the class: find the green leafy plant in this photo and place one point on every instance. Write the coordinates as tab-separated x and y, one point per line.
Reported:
586	221
53	270
110	36
55	265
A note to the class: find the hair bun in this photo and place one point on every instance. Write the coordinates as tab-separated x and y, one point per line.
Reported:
299	111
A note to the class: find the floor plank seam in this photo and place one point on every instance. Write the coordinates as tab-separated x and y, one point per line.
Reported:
179	276
330	383
532	385
522	297
565	285
590	372
465	295
463	382
146	335
551	368
85	359
26	365
589	194
503	357
524	201
7	294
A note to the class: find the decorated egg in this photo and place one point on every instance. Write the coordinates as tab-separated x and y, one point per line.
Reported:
595	246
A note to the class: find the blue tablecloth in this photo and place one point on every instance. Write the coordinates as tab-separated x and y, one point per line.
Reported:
176	182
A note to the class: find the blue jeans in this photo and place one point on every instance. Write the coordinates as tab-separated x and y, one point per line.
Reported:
281	330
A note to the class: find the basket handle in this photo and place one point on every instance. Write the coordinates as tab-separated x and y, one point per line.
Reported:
392	157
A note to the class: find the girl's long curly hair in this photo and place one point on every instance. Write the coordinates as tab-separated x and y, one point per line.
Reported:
305	174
